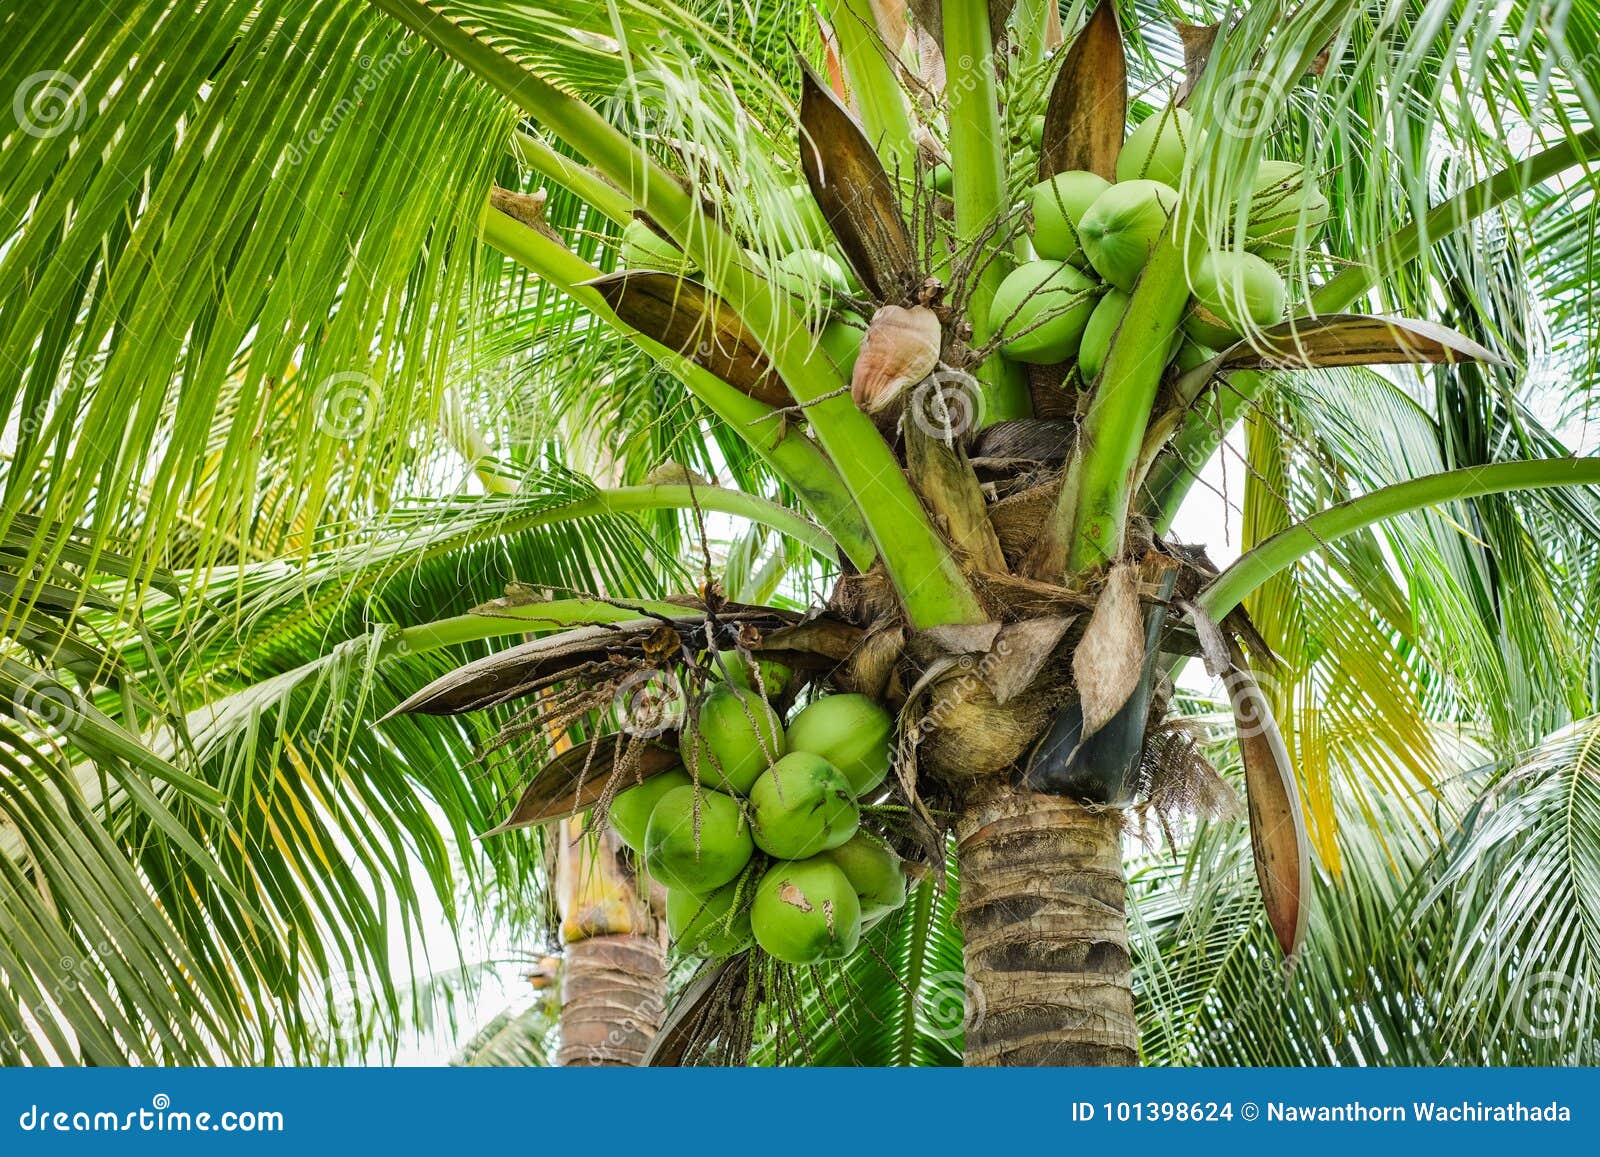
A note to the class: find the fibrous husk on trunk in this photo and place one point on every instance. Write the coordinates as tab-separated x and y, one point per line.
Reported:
985	693
1017	517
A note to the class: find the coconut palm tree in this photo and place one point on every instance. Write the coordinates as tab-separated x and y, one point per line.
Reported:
273	354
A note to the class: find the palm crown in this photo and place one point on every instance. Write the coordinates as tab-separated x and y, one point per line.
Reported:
248	293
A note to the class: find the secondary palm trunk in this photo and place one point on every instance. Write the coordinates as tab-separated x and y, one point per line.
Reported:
1043	909
614	974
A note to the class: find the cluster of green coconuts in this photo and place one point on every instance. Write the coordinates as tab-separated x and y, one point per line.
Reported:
759	838
1093	237
814	272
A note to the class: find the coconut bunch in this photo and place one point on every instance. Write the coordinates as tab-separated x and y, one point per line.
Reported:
1093	237
758	834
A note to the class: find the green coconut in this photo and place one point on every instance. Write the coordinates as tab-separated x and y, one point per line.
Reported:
1282	196
805	912
1191	354
841	340
849	731
715	925
1097	335
680	857
642	248
631	808
1121	228
1155	150
1233	292
874	871
774	676
943	177
808	272
801	806
1058	205
737	736
1040	310
1036	131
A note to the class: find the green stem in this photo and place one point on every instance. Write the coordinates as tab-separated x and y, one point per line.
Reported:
1179	464
1284	549
979	172
869	67
1450	215
1091	517
523	619
1030	24
924	572
721	499
791	455
588	185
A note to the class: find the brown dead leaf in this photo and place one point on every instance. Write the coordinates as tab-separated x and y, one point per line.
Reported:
1110	657
687	319
1277	825
1088	106
576	779
857	197
1197	40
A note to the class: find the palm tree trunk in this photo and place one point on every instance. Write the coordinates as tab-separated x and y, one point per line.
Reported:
614	975
612	999
1043	910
